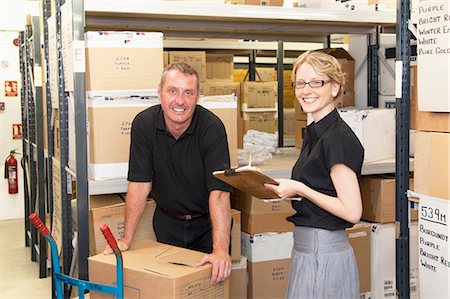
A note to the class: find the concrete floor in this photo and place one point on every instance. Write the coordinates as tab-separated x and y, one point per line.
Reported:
19	276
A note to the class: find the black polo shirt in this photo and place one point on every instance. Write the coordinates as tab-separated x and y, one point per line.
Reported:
327	142
180	170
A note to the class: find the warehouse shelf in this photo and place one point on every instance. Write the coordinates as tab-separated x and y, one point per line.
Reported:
275	28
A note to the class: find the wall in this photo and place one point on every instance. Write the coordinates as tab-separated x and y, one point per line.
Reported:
13	16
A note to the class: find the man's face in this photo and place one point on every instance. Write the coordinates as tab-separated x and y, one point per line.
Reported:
179	96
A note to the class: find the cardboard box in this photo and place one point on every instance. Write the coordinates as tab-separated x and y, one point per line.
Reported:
197	59
432	164
300	131
154	270
109	153
257	2
375	129
268	279
299	113
267	246
110	209
216	88
378	196
359	238
227	112
219	66
261	217
259	95
239	279
346	99
123	61
236	235
424	120
260	121
347	63
289	122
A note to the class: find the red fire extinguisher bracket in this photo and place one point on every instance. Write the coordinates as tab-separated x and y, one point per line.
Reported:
11	173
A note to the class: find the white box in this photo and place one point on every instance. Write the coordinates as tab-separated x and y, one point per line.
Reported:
375	129
383	263
267	246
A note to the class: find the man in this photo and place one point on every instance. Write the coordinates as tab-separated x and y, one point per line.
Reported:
175	147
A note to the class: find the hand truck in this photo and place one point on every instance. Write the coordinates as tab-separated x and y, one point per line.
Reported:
82	285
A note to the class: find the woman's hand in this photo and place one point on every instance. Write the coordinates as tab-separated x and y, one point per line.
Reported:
286	188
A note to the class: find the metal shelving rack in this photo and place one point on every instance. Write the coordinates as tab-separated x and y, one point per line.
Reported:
33	139
205	20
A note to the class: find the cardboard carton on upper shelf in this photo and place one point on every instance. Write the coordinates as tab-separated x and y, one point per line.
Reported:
197	59
259	95
378	197
219	66
424	120
257	2
263	121
154	270
118	61
216	88
375	129
109	153
347	63
432	164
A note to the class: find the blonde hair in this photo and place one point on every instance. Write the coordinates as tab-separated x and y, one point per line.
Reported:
323	64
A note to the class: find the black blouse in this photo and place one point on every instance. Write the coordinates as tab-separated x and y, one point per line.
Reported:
327	142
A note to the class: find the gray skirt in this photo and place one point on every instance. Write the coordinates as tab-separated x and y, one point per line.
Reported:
323	265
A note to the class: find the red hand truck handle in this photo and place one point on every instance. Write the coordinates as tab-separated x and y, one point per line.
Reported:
40	226
109	236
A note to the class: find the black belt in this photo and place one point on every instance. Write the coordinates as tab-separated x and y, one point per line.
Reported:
181	216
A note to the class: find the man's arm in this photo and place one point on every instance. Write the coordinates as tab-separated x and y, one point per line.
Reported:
220	213
134	207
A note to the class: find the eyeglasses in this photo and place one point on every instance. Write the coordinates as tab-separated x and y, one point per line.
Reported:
312	84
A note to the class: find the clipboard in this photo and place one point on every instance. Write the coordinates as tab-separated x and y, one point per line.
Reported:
248	179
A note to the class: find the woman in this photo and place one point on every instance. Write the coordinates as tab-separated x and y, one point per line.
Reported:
326	177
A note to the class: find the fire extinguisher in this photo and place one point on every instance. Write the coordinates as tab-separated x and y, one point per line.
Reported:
11	173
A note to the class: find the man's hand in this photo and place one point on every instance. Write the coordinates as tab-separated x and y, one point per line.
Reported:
221	265
122	244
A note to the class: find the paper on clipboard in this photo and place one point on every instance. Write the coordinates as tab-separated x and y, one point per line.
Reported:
248	179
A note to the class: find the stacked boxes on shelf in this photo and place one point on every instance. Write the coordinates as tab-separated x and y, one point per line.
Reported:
266	243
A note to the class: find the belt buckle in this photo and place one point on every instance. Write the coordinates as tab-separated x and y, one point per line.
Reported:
187	217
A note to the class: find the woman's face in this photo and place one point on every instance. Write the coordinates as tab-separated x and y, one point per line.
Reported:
316	97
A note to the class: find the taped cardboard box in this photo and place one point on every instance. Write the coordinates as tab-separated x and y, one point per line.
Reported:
432	164
154	270
378	197
109	152
219	66
216	88
239	279
257	2
197	59
347	63
263	121
110	209
268	265
236	235
118	61
258	216
259	95
359	238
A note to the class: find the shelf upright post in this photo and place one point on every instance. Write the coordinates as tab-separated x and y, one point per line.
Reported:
280	68
46	13
81	139
373	68
39	141
31	134
66	209
402	149
252	66
24	109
